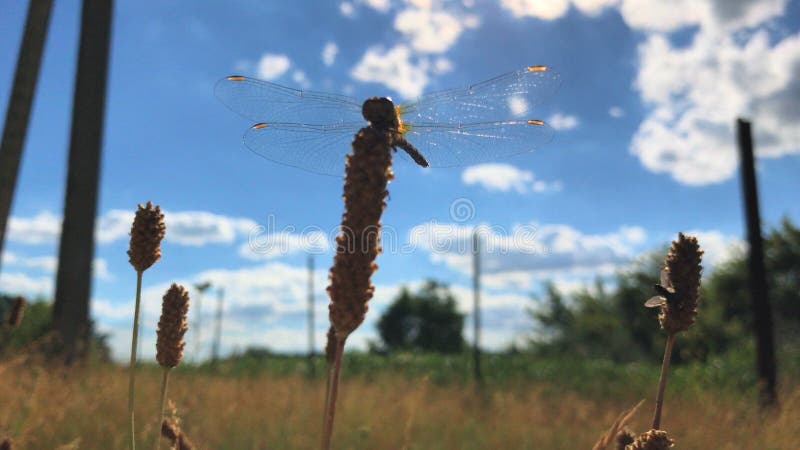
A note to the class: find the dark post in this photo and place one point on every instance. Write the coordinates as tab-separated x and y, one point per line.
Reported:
19	104
217	327
476	306
198	317
76	248
311	316
762	311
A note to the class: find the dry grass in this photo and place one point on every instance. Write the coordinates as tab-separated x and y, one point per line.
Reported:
44	409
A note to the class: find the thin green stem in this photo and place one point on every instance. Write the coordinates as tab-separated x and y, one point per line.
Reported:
164	382
662	382
330	410
132	368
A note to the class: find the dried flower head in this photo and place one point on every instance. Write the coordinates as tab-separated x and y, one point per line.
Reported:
368	171
172	326
17	311
624	438
330	345
5	444
173	432
147	231
683	268
651	440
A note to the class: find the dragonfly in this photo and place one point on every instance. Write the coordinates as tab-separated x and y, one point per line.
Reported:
478	123
665	290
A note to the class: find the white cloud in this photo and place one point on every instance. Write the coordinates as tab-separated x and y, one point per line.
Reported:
114	224
540	9
429	31
393	68
378	5
518	105
272	66
44	227
717	247
505	178
616	112
347	9
329	53
697	91
270	246
531	248
593	7
718	15
561	121
16	283
299	77
201	227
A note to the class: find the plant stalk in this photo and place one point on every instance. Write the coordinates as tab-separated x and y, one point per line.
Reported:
164	382
132	368
330	410
328	371
662	382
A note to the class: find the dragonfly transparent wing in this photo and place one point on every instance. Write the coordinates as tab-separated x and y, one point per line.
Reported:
665	281
262	101
316	148
508	96
457	145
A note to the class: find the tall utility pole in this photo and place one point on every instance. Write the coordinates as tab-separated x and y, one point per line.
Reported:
198	317
76	249
311	349
476	305
217	327
19	105
762	311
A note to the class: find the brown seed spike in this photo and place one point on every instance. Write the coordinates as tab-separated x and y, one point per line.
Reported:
368	171
624	438
330	345
17	311
172	326
684	267
651	440
147	231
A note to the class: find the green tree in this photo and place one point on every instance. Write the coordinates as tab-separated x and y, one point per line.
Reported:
426	320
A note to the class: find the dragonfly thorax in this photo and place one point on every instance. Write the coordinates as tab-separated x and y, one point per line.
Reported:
380	112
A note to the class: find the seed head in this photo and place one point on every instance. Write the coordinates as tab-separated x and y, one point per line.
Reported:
368	171
172	432
624	438
651	440
330	345
172	326
683	265
17	311
5	444
147	231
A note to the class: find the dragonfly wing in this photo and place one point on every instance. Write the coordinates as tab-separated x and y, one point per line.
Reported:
511	95
665	281
315	148
263	101
458	145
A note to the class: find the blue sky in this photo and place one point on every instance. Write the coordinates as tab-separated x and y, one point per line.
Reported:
643	148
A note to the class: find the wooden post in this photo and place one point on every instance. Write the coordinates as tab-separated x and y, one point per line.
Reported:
762	311
476	307
217	327
311	349
19	104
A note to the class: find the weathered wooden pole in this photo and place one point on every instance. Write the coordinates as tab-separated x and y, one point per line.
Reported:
762	311
311	349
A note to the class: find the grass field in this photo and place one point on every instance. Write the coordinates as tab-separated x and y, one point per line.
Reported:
403	401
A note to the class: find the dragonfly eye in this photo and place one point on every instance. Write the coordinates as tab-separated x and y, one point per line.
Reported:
380	111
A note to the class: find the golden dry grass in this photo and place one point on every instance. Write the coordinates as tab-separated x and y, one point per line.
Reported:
45	409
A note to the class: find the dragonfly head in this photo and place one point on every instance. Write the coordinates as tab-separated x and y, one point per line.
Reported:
380	112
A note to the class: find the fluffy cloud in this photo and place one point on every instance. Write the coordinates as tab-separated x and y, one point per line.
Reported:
529	248
696	92
269	246
23	284
563	122
431	31
616	112
395	68
545	10
272	66
717	15
329	53
42	228
347	9
505	178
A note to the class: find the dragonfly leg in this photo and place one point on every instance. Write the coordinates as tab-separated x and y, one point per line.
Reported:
412	151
